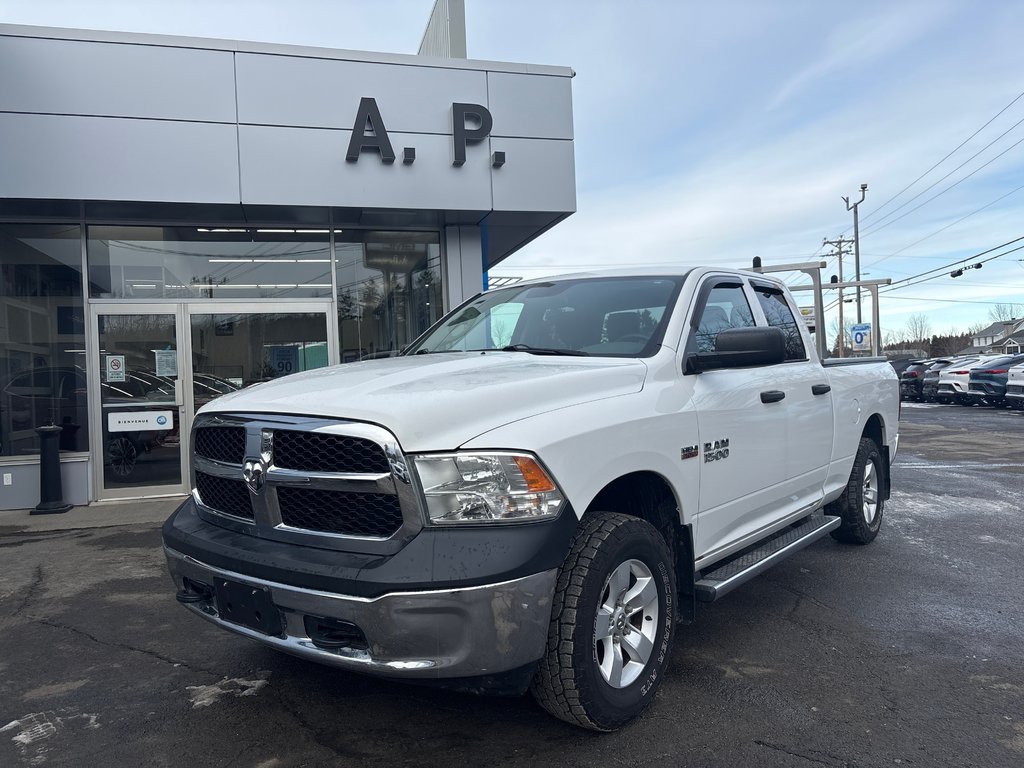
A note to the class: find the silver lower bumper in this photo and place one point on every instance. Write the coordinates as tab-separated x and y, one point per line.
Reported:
424	635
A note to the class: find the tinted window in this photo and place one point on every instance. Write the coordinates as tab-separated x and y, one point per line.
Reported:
779	315
42	337
726	307
614	317
208	262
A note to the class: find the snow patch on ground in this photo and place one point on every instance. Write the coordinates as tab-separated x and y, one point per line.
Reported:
36	728
933	505
205	695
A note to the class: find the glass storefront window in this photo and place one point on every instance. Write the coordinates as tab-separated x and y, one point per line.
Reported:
231	351
208	263
389	289
42	337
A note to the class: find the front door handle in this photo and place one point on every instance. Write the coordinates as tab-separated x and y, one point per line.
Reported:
772	396
820	389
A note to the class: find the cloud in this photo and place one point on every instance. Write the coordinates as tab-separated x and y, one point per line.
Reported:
860	41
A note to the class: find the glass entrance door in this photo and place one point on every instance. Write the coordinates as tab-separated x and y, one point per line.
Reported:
160	363
138	422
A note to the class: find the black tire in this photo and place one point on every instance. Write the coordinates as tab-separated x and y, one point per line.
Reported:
569	682
859	525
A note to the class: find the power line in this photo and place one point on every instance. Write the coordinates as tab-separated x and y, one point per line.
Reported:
942	229
923	277
949	301
907	280
958	146
951	186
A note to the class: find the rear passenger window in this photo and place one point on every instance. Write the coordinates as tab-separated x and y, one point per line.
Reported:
726	307
779	315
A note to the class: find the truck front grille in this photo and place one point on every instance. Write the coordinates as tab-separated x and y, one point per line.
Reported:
324	452
225	444
351	514
306	480
222	494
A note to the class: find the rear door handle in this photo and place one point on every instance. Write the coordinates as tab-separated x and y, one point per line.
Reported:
820	389
772	396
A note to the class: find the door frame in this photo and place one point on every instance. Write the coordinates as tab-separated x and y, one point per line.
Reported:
183	311
96	450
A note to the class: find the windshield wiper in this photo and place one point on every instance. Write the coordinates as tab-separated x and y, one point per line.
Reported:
543	350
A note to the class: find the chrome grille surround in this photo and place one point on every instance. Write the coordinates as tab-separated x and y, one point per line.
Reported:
268	521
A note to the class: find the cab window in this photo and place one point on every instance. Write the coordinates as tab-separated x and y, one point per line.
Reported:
726	307
780	316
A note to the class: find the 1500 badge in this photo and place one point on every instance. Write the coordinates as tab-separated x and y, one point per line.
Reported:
717	450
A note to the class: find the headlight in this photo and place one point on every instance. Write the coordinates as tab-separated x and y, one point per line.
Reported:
491	487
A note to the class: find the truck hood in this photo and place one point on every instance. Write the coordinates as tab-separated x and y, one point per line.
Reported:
439	401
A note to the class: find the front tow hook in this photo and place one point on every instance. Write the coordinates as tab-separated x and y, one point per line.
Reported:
194	592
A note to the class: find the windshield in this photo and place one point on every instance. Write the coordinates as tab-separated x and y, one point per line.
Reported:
613	317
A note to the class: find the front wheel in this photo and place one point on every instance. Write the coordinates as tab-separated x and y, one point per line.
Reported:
860	507
612	624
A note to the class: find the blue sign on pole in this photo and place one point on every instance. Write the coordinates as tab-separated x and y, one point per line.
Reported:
861	335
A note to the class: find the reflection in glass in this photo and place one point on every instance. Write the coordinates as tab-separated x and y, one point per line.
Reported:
42	337
614	317
726	307
138	370
208	262
780	316
231	351
389	289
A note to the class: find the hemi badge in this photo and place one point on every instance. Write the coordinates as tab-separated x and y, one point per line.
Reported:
690	452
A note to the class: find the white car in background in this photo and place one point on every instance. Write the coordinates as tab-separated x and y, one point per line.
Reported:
953	380
1015	386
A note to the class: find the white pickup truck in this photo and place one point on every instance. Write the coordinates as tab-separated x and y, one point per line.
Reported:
539	489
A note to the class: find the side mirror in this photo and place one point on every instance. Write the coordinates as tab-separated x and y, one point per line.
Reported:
741	348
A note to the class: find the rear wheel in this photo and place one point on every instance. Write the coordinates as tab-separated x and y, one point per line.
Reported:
860	507
612	624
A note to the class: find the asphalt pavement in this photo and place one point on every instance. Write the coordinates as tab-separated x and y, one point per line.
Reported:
906	652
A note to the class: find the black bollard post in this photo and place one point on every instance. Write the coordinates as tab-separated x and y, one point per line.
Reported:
51	494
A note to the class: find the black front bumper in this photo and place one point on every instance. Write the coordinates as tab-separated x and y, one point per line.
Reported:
452	604
436	558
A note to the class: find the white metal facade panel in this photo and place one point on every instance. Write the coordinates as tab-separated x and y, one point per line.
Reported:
307	166
531	179
288	90
533	106
103	158
83	78
117	117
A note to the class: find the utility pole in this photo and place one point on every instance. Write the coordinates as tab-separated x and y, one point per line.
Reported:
839	252
856	240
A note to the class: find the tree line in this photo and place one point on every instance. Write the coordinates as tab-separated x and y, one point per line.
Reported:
917	334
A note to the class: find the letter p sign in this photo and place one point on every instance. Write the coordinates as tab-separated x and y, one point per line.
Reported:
462	134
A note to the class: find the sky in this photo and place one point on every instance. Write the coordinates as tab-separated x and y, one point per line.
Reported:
708	132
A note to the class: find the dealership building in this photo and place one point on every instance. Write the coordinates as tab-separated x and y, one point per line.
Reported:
183	217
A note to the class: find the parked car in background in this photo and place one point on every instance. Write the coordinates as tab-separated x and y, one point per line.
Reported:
930	379
1015	386
911	379
987	383
901	364
954	378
